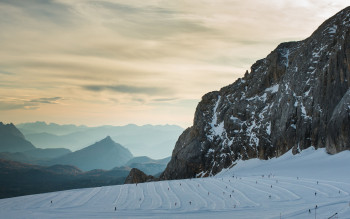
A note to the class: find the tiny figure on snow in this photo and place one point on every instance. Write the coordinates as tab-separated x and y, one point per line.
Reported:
190	202
115	208
315	193
316	207
317	182
51	201
339	191
230	195
269	196
175	203
208	193
271	186
168	188
309	211
226	187
256	182
180	184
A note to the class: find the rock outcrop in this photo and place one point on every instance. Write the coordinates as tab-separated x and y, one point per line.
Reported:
137	176
296	97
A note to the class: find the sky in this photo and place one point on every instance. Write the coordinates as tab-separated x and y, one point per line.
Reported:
113	62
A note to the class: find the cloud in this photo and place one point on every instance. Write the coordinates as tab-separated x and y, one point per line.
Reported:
31	104
15	106
164	99
50	100
129	89
5	72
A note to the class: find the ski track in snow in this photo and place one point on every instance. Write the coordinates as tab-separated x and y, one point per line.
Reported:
285	189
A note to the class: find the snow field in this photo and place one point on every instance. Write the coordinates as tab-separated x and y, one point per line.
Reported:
252	189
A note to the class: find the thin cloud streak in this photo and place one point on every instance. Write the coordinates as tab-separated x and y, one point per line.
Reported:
31	104
49	100
128	89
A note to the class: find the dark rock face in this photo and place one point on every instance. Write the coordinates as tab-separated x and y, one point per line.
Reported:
137	176
296	97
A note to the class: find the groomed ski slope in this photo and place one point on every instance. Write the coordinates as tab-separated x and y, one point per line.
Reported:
291	185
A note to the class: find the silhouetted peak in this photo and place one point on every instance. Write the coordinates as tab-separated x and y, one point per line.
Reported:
10	129
108	139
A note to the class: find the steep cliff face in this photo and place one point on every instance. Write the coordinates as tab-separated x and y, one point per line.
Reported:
296	97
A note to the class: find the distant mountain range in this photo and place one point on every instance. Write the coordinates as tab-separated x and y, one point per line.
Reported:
155	141
25	169
104	154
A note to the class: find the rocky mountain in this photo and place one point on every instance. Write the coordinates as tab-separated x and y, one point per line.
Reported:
23	179
105	154
12	140
296	97
154	141
137	176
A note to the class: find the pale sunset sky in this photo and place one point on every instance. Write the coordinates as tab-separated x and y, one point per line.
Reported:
113	62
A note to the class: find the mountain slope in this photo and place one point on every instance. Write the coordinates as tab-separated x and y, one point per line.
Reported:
296	97
48	153
12	140
35	156
105	154
24	179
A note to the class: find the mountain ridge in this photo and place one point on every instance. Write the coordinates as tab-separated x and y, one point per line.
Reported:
154	141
